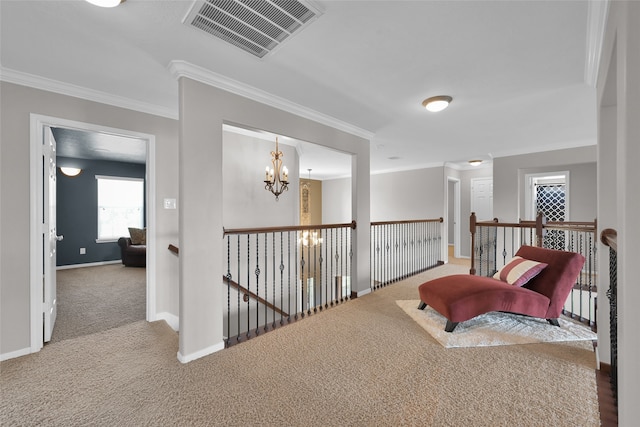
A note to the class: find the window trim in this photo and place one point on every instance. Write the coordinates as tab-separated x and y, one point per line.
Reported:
529	198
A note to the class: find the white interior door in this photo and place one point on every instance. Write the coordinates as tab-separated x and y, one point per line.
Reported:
50	235
482	198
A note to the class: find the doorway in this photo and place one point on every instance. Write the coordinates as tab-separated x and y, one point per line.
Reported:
41	294
453	217
482	198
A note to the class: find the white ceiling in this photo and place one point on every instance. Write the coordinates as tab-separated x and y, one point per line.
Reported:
515	69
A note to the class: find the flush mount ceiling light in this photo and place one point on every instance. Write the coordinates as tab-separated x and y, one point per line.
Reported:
106	3
475	162
437	103
70	171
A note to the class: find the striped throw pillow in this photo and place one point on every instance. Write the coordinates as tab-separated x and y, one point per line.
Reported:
519	271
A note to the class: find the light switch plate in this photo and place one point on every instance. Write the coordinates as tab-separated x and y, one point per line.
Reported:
169	203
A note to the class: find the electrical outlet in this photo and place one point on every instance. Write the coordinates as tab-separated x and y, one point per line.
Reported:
83	251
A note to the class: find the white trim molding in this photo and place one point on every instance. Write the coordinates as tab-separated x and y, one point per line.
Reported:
31	80
202	353
172	320
14	354
88	264
363	293
596	20
179	68
37	124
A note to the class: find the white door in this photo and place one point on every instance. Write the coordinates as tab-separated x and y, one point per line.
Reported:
50	236
482	198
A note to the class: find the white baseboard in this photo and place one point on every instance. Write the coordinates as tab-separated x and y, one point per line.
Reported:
88	264
14	354
363	293
198	354
172	320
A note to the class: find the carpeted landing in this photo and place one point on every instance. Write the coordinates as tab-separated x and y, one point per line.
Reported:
364	363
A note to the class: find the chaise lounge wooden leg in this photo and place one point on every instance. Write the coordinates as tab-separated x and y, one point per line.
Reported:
450	326
422	305
554	322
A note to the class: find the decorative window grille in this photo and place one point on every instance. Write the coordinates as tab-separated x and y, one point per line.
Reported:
551	202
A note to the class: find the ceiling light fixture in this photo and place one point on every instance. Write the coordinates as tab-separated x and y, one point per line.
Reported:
276	179
106	3
70	171
475	162
437	103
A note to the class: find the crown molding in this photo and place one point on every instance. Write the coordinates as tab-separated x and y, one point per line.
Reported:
596	22
179	68
544	148
37	82
408	168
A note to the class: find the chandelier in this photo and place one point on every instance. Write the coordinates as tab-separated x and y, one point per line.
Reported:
310	238
276	179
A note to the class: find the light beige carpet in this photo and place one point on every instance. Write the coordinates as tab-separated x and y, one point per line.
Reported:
362	363
94	299
492	329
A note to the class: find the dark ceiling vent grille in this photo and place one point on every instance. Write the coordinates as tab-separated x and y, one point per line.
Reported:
256	26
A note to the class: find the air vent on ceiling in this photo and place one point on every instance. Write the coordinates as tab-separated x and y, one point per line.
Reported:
256	26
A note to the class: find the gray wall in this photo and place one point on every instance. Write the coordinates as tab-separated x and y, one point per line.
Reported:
509	172
203	111
406	195
336	201
16	103
77	213
465	177
450	211
619	151
246	203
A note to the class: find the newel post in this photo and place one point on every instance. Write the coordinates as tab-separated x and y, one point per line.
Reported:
541	221
472	229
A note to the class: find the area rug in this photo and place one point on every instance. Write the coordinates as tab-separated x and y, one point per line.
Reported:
494	329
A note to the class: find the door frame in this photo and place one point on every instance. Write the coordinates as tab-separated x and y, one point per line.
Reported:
37	124
529	194
456	216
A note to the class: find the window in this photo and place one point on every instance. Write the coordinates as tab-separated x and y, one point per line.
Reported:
120	206
548	194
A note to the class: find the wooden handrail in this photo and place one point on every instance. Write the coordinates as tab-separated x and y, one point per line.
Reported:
409	221
609	237
239	288
351	225
250	294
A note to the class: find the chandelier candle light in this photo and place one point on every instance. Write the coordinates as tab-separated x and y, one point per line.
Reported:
276	179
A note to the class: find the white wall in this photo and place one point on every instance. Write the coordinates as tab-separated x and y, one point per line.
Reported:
619	152
16	103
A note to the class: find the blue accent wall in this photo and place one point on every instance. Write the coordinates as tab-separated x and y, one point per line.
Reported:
77	209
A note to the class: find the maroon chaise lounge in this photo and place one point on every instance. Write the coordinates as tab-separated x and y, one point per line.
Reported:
462	297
